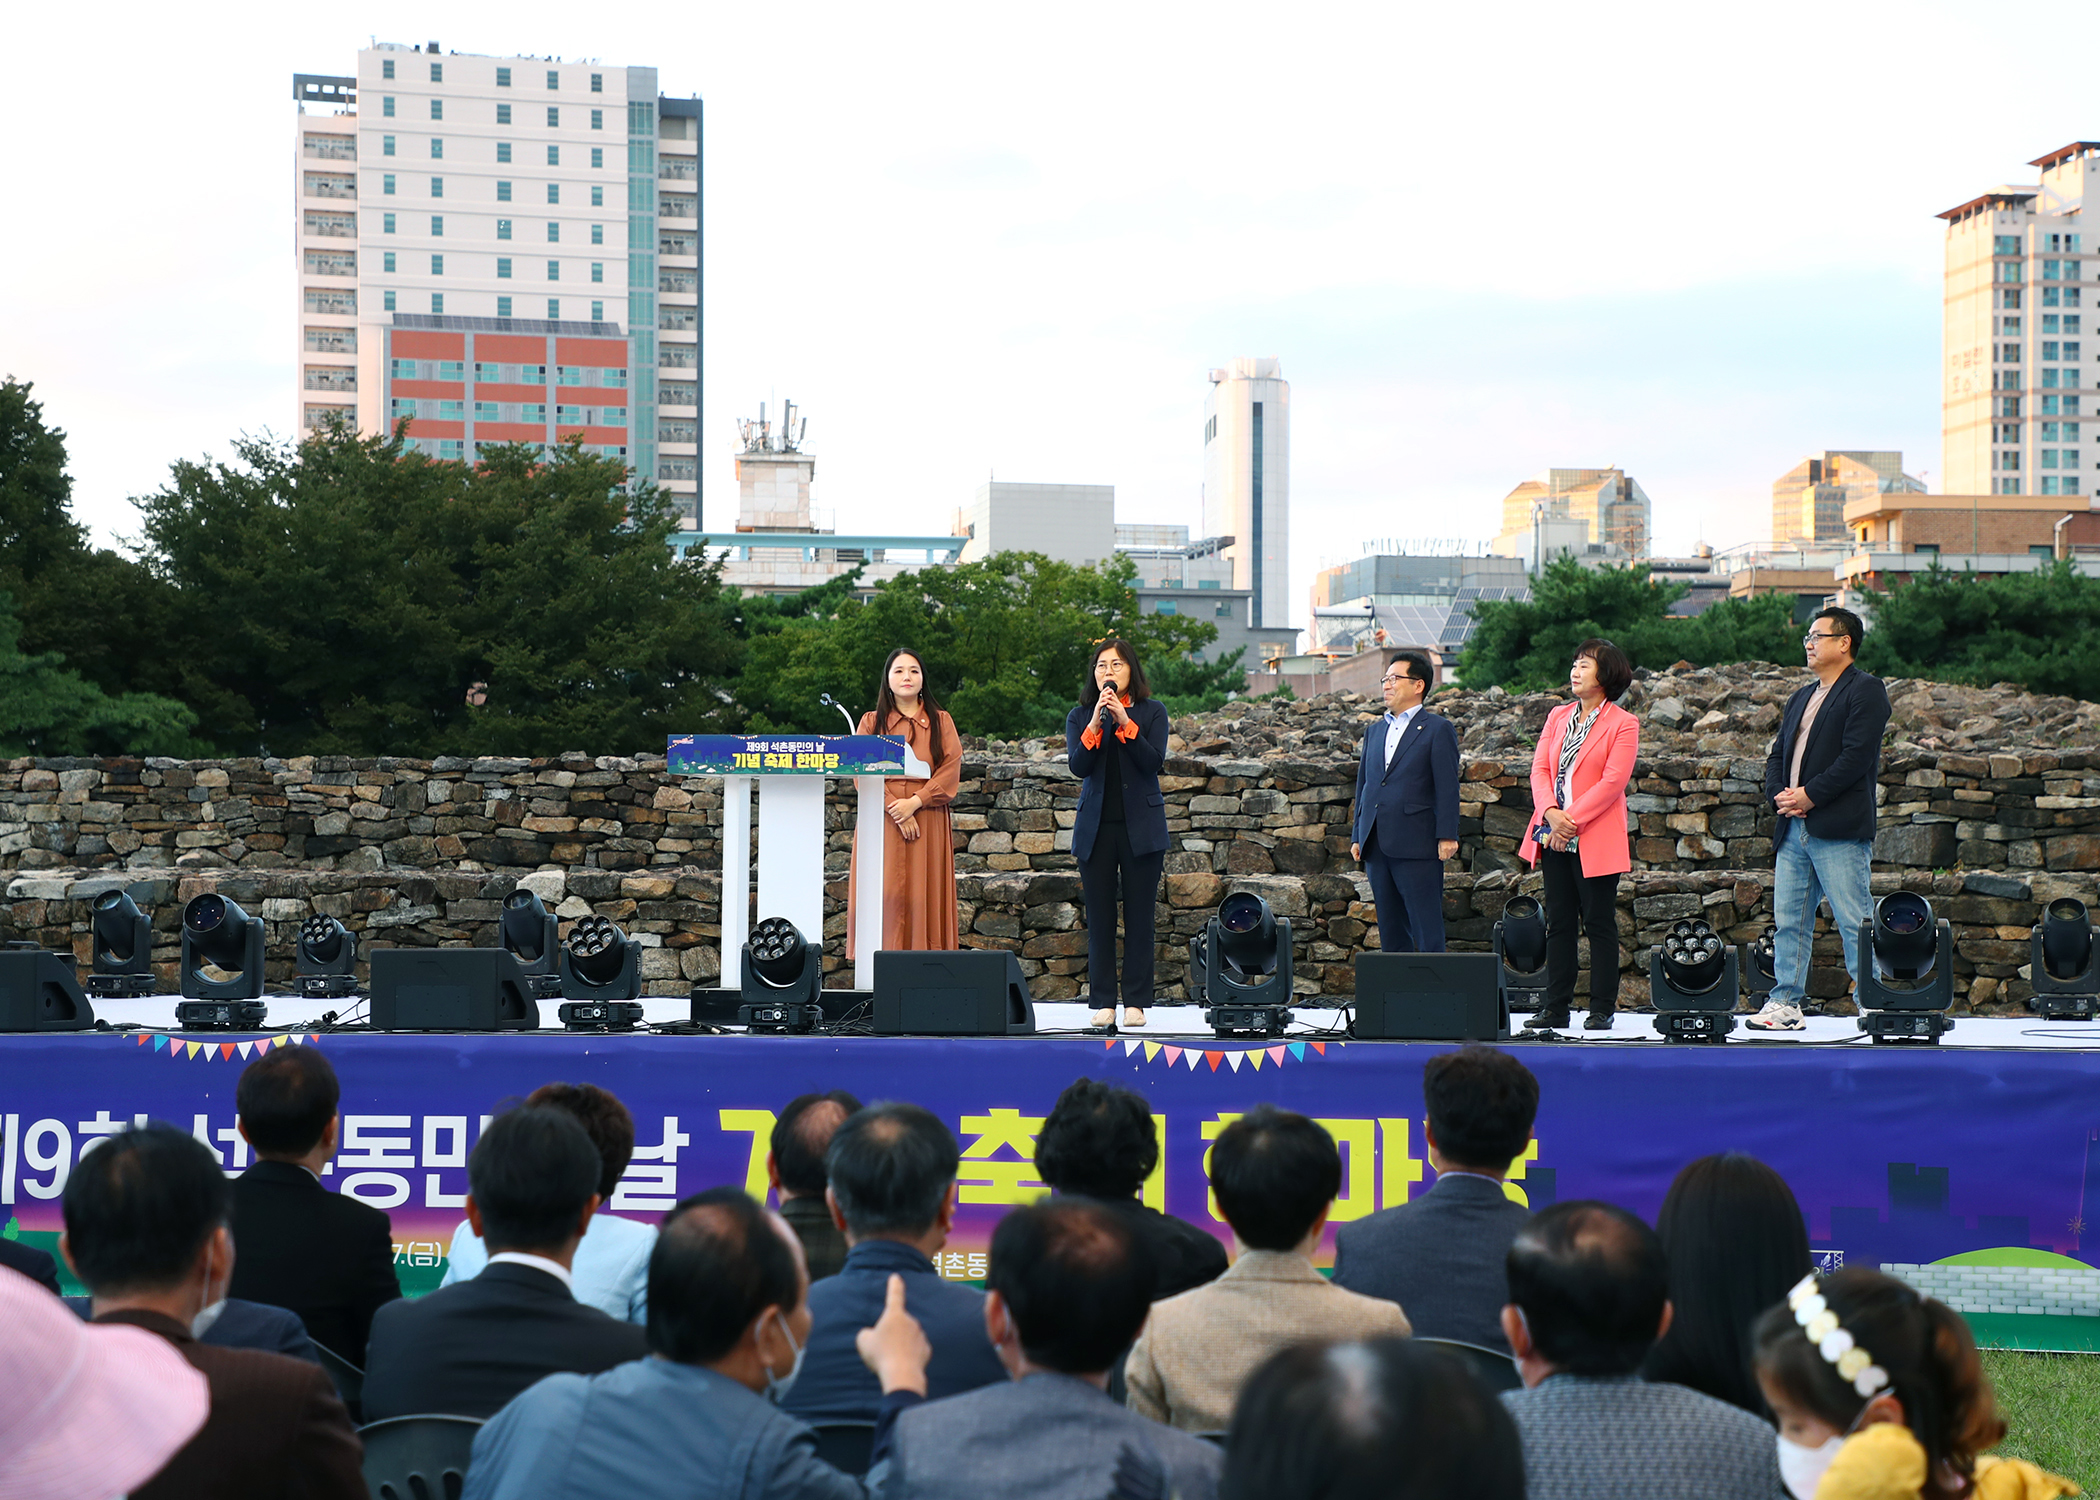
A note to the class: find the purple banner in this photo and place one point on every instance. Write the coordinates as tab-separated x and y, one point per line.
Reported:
1903	1157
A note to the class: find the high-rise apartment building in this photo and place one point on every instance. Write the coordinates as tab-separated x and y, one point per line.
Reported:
2013	345
1247	479
502	250
1539	516
1809	500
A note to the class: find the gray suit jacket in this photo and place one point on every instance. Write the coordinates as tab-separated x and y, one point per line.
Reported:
1439	1256
1045	1437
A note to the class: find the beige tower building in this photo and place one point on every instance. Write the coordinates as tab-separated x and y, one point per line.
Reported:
1611	508
2015	382
1809	500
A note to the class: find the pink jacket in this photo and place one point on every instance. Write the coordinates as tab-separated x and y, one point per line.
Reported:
1596	786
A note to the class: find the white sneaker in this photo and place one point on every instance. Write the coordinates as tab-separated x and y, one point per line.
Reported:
1777	1017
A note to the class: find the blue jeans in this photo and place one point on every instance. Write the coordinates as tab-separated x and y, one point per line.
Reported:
1808	870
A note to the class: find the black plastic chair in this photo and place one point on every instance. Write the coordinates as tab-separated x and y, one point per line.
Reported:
349	1379
1494	1369
846	1446
1215	1439
418	1458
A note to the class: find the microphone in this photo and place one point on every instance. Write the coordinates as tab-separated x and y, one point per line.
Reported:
828	702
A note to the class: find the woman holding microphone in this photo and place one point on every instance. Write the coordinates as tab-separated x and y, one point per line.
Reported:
1115	742
918	852
1579	773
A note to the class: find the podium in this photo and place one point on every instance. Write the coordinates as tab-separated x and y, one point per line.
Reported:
790	770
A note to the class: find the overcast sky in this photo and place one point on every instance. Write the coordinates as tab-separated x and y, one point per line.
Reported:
1697	242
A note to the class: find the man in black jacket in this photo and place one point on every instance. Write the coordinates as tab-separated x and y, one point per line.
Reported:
1821	776
466	1349
317	1253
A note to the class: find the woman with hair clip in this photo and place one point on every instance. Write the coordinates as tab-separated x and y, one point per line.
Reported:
1881	1395
918	851
1115	743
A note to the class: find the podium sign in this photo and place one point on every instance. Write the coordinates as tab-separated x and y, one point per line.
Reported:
790	771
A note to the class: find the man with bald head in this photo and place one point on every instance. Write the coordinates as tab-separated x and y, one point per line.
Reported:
795	1167
728	1320
1588	1298
1069	1287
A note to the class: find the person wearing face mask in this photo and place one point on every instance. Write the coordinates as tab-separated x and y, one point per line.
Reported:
1588	1297
918	846
1578	841
1115	743
1881	1395
700	1419
146	1232
1069	1286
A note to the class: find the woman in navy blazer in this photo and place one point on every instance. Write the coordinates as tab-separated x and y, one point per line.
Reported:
1115	742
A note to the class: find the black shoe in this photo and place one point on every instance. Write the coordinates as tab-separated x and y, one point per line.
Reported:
1597	1020
1550	1018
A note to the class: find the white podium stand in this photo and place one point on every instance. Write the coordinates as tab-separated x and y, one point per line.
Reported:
790	771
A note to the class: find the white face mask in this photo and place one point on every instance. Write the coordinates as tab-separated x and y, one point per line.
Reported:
778	1386
1801	1468
209	1313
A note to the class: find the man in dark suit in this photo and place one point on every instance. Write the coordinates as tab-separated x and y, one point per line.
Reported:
1406	819
146	1232
466	1349
795	1166
320	1254
1821	775
892	1170
1070	1285
1441	1256
36	1264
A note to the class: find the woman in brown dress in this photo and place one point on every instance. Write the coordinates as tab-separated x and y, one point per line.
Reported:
918	852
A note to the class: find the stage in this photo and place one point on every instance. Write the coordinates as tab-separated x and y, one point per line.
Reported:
1970	1166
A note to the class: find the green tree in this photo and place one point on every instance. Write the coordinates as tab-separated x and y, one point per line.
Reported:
1526	644
46	710
351	596
92	604
1004	642
2041	630
1189	686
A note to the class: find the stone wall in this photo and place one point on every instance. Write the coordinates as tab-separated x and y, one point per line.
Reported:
1990	804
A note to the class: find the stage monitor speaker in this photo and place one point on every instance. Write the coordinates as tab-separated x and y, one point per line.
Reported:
38	992
952	993
450	989
1430	997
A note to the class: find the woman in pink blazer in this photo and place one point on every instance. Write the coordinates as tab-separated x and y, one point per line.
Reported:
1578	784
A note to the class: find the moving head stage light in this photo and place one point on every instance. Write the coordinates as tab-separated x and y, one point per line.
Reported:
1240	968
1760	970
1906	971
1520	954
601	977
530	934
1692	982
222	967
782	979
38	992
122	953
326	959
2066	968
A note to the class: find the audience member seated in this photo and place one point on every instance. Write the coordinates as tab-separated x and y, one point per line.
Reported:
1069	1286
795	1167
146	1233
1440	1256
320	1254
1387	1418
1589	1296
892	1174
728	1321
27	1260
86	1412
1275	1175
1736	1243
1099	1142
1881	1395
611	1272
257	1325
465	1350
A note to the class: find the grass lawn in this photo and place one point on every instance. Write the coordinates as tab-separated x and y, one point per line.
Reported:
2052	1404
